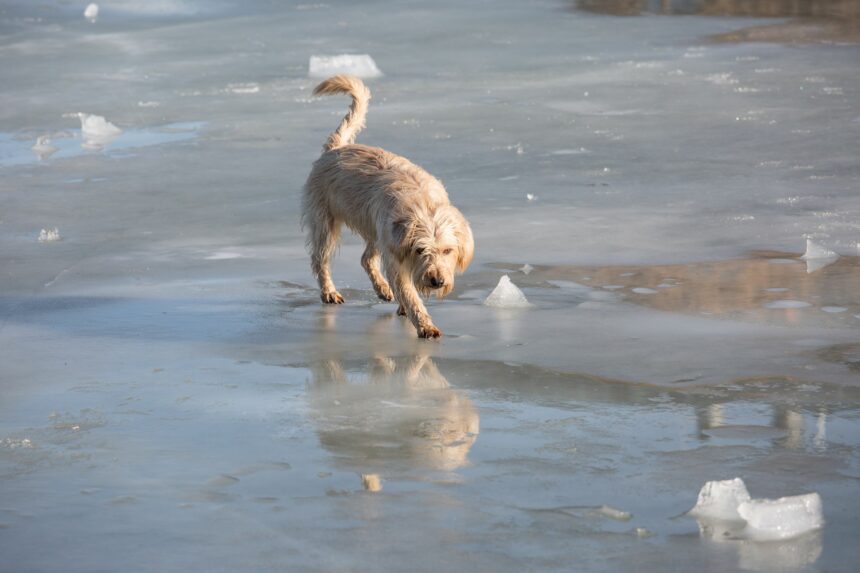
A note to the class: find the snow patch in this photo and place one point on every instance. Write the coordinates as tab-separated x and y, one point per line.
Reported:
526	269
97	131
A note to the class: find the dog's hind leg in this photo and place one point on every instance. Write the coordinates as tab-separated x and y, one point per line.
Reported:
323	239
370	263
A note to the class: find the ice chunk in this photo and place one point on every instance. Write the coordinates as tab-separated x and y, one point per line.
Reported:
97	131
49	235
507	295
644	290
614	513
526	268
816	251
783	518
720	499
91	12
43	147
531	197
361	65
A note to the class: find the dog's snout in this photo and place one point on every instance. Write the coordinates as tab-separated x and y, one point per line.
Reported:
437	282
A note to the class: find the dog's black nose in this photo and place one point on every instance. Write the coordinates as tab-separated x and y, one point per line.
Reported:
437	282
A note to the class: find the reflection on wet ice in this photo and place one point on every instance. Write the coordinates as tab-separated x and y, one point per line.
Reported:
390	415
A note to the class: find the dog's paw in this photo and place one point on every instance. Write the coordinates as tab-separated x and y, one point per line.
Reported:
401	311
384	293
332	297
429	332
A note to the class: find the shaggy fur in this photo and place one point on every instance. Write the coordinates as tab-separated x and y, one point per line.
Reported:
401	211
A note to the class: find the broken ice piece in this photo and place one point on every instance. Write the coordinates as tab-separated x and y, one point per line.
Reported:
43	147
91	12
507	295
783	518
526	268
371	482
361	65
720	499
49	235
97	131
816	251
613	513
531	196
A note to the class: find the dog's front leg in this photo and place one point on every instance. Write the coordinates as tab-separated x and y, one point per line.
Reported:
410	301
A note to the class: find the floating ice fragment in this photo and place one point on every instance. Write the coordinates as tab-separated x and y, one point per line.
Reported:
371	482
783	518
526	268
776	289
817	251
531	196
643	290
43	148
49	235
97	131
720	499
247	88
787	304
507	295
833	309
613	513
91	12
149	103
361	65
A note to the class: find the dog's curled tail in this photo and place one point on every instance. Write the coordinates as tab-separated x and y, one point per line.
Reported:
353	122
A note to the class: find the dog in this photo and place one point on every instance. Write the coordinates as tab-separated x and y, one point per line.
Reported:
402	212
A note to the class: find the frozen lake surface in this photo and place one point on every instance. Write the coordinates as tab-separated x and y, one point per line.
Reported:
175	398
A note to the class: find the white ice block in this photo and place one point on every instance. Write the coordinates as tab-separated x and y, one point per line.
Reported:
720	499
816	251
507	295
91	12
361	65
783	518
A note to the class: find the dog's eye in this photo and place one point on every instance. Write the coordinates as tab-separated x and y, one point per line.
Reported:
419	250
447	251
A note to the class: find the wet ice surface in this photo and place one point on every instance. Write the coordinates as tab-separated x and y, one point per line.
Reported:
168	374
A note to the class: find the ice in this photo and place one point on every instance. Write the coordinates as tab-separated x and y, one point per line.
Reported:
720	499
614	513
833	309
361	65
43	147
526	269
49	235
787	304
97	131
91	12
507	295
531	196
783	518
817	251
644	290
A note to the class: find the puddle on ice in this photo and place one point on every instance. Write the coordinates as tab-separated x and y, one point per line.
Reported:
739	289
16	149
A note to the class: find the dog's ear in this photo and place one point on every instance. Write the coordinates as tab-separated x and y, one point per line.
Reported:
465	241
401	235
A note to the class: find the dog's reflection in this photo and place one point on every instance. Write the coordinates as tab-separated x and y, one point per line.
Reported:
391	415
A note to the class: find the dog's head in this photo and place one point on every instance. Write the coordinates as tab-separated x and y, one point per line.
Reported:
435	246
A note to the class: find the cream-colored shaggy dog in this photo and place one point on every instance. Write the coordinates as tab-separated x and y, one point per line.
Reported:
401	211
